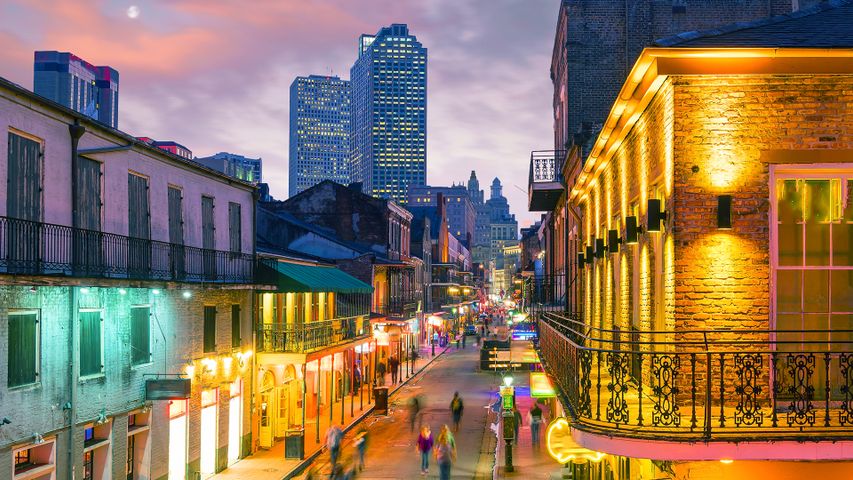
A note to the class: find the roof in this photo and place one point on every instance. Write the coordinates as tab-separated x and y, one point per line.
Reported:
293	277
825	25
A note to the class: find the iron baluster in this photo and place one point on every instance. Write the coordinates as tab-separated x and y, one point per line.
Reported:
708	394
598	384
640	390
722	390
845	364
828	391
774	388
693	391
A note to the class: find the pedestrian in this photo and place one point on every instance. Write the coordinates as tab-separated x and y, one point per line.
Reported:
333	443
361	447
458	340
393	365
357	375
535	419
445	453
463	340
456	408
477	340
414	409
425	442
517	415
380	372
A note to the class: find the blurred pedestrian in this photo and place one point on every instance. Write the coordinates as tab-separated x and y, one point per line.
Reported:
393	365
361	447
425	442
445	453
517	416
456	407
463	339
380	372
414	409
333	443
535	420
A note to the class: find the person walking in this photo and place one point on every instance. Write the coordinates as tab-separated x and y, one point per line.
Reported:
380	372
393	365
414	409
361	447
424	447
456	407
445	453
535	419
333	443
517	416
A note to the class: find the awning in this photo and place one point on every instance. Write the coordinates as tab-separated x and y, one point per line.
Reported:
294	277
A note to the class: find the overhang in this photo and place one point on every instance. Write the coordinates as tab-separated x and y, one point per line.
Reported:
292	277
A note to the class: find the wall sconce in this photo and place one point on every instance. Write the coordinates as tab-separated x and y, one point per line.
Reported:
655	215
632	230
580	258
37	439
613	241
599	248
589	254
724	212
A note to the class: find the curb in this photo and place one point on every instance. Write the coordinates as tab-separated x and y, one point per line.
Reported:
300	468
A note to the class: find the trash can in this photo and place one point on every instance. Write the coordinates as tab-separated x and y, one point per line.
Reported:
380	397
294	444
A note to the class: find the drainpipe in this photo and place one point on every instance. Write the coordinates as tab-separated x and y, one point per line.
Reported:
76	130
578	268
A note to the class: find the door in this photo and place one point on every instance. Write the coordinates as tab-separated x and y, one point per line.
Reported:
138	227
267	410
209	431
208	238
235	421
282	410
23	205
177	440
88	238
176	233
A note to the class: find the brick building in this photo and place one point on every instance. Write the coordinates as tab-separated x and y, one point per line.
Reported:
704	305
98	297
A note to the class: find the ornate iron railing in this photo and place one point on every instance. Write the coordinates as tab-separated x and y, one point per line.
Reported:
311	336
403	308
701	384
545	166
35	248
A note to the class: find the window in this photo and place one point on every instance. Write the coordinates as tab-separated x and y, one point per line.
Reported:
25	178
91	342
209	329
234	227
131	446
140	335
235	326
89	465
23	461
23	341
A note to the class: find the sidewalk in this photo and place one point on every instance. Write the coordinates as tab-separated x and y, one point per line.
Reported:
271	464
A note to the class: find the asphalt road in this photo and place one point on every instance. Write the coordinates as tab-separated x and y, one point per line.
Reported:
391	451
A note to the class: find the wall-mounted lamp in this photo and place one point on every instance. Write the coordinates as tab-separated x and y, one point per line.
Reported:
724	212
655	215
613	241
38	439
599	248
589	254
580	258
5	421
102	417
632	230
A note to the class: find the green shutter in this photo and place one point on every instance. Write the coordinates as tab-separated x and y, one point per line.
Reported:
209	329
140	335
23	340
235	326
90	343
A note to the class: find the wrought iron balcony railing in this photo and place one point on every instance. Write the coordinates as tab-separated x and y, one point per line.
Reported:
701	384
402	308
545	167
35	248
311	336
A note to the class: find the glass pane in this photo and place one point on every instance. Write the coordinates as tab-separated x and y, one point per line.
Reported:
842	291
844	339
817	339
842	232
789	342
790	236
816	291
788	293
817	213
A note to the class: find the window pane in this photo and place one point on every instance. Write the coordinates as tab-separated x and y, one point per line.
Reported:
788	342
842	233
789	206
788	293
90	343
816	291
842	291
817	213
837	324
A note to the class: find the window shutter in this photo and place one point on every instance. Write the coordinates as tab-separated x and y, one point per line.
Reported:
234	226
90	343
209	329
22	349
235	326
140	335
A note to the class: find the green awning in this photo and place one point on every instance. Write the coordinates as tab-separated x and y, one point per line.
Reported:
293	277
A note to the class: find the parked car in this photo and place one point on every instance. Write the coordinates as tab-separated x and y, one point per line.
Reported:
470	329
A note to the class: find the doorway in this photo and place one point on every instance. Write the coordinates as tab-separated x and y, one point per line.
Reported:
235	421
178	440
267	408
209	431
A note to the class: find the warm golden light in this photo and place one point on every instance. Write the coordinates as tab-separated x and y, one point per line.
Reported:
562	448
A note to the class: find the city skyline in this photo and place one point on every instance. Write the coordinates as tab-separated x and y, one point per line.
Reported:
203	103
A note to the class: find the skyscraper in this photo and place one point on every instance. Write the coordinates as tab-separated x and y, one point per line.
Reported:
237	166
389	82
319	131
75	83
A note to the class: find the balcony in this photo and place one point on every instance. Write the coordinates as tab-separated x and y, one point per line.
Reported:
698	387
402	308
43	249
311	336
545	183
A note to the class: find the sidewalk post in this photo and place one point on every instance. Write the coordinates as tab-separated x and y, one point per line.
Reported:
508	402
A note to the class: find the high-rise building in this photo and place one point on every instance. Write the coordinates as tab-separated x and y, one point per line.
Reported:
319	131
237	166
75	83
482	224
503	227
389	87
461	215
169	146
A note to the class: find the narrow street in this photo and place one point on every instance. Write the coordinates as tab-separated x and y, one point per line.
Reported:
391	445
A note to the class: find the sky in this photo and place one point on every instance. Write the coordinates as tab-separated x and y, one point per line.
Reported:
215	75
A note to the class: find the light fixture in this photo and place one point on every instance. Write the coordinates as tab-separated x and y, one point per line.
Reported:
589	254
33	290
613	241
508	380
580	258
654	215
187	294
102	417
724	212
84	290
632	230
726	460
155	291
599	248
5	421
38	439
122	291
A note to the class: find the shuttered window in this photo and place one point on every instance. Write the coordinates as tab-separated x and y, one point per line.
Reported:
140	335
176	216
234	226
23	344
209	329
235	326
89	191
91	343
208	228
138	226
24	179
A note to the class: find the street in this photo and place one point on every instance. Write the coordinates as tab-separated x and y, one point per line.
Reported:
391	445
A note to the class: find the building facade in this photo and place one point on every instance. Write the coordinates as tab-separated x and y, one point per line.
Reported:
100	298
237	166
389	107
320	123
705	269
75	83
461	215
